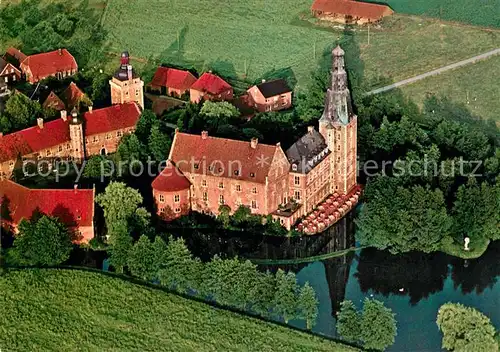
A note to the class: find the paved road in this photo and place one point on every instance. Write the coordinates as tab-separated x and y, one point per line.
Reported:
435	72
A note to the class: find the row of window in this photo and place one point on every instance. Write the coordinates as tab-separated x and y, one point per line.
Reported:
176	210
237	188
253	203
96	139
177	198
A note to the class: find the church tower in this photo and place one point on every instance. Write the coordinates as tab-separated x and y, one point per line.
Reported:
76	135
338	125
126	85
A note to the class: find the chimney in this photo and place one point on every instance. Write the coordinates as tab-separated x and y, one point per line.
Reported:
39	122
64	115
129	71
204	134
90	109
1	134
254	142
310	129
75	187
59	51
263	81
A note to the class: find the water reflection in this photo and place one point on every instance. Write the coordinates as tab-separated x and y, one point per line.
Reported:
415	274
208	242
478	274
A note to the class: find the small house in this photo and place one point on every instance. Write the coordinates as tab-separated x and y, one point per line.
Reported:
271	96
210	87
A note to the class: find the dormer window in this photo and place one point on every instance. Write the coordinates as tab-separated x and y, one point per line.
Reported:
252	174
196	166
294	167
236	172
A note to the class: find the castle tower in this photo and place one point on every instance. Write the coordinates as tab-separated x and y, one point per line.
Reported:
76	135
338	125
126	85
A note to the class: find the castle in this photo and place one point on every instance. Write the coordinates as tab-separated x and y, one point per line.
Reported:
206	172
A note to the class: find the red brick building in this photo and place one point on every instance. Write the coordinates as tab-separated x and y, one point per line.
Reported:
73	207
208	172
58	63
126	85
71	97
73	137
210	87
172	81
349	11
270	96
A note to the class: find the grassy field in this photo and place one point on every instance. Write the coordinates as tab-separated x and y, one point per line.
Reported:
477	12
59	310
476	86
249	38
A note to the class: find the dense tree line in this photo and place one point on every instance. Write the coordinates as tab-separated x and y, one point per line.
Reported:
230	282
440	181
374	327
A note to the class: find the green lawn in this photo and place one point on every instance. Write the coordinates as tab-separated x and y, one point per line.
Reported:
249	38
477	12
476	86
62	310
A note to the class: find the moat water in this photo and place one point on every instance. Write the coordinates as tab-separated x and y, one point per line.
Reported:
414	285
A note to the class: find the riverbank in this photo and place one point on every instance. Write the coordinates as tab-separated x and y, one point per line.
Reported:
477	249
103	312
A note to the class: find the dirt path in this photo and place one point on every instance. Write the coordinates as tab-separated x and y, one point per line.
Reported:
438	71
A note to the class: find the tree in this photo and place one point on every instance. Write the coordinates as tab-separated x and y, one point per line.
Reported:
141	260
403	219
219	113
465	329
96	167
475	212
229	281
378	325
120	246
42	241
308	305
158	144
146	122
261	294
180	270
349	322
131	148
285	297
224	217
23	112
119	203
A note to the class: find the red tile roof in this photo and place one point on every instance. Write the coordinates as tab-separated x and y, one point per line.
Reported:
47	64
112	118
189	150
173	78
54	102
74	207
352	8
170	179
56	132
16	54
33	139
72	95
210	83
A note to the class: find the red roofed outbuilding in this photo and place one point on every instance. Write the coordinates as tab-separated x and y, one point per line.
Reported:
73	207
58	63
172	81
210	87
350	11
